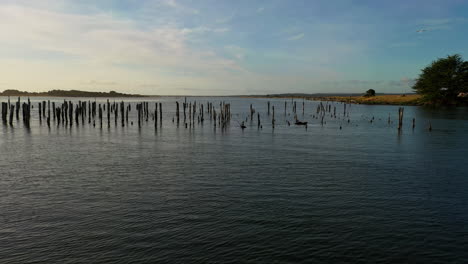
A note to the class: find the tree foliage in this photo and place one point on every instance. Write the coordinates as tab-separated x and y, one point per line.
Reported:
443	80
370	93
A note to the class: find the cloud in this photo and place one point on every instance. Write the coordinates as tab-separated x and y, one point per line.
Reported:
260	9
403	44
204	29
297	37
226	19
177	5
100	83
103	39
236	51
441	23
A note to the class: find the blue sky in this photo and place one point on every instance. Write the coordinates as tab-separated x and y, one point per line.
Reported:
175	47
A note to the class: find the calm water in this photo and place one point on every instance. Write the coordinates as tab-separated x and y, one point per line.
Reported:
202	195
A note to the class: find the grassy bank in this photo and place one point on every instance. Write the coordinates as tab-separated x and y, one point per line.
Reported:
394	99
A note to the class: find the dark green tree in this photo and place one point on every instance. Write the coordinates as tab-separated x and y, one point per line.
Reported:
370	93
443	80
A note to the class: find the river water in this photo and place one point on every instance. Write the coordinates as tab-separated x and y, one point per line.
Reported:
363	193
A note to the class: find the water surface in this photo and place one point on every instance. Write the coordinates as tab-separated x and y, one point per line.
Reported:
363	193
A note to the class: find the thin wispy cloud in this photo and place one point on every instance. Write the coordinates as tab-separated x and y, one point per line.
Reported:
297	37
177	5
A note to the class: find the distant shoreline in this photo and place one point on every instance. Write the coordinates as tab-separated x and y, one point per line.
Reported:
383	99
69	93
386	99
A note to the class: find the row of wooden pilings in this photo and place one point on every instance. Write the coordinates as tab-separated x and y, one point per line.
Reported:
15	108
68	113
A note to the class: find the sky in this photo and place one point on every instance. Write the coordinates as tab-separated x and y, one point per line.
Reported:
221	47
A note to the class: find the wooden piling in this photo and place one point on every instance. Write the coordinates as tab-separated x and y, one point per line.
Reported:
4	112
12	110
160	114
177	112
400	118
40	112
156	115
273	117
18	108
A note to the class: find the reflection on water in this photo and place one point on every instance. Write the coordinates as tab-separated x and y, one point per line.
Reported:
123	194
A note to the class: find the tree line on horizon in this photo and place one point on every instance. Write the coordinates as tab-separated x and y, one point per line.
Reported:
67	93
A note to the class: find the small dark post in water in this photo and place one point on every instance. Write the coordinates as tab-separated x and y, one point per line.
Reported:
303	106
54	112
44	109
12	110
160	114
156	115
430	126
139	114
268	107
177	112
40	112
285	105
108	113
414	122
116	114
258	119
251	112
58	111
70	112
18	108
400	117
273	117
4	112
100	115
202	114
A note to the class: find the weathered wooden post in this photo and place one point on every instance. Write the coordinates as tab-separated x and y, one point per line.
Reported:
400	117
156	115
108	113
116	114
12	110
273	118
4	112
139	114
40	112
58	111
160	114
414	122
18	108
202	114
122	113
54	112
100	115
258	120
70	112
177	112
268	107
